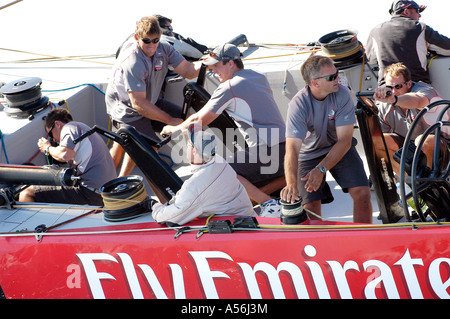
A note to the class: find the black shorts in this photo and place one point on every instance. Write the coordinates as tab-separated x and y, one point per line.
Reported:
348	173
147	126
67	195
259	165
444	148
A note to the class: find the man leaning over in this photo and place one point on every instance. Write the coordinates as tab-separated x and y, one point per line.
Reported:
247	97
319	138
133	93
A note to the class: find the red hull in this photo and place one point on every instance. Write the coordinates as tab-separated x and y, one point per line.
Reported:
339	263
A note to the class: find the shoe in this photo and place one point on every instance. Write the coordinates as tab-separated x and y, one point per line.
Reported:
271	208
422	204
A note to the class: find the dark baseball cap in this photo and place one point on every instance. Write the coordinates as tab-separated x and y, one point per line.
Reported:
225	52
398	6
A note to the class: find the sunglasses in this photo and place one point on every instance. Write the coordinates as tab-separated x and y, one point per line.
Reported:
330	77
50	131
397	86
148	41
215	56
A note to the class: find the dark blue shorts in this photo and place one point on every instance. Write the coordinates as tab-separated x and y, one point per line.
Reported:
348	173
259	165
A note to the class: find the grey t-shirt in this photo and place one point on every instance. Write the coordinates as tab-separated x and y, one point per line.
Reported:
135	72
394	119
315	122
248	99
92	160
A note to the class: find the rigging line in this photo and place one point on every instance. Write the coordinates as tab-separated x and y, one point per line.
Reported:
355	226
67	207
95	232
280	228
280	55
56	57
74	87
50	59
9	4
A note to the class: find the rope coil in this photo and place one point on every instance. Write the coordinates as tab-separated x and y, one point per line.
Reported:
125	198
115	203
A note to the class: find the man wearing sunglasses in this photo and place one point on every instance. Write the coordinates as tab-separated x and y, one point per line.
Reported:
134	90
403	38
398	109
90	159
319	138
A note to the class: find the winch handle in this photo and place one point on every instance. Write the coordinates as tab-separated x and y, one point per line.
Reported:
167	138
96	129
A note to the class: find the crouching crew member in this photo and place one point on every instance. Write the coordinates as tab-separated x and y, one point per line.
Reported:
212	189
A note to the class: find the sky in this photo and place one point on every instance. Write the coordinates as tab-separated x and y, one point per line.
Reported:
84	27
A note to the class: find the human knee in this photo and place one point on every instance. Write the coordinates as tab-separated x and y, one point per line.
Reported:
27	195
361	193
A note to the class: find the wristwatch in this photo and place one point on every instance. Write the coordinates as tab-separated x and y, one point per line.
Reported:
322	169
46	151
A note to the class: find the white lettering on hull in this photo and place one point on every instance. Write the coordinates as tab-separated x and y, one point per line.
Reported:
302	282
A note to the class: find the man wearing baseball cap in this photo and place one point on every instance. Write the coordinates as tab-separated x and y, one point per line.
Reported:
399	6
212	189
405	39
247	97
226	52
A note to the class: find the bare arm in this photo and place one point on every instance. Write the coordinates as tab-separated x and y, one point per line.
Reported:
203	117
290	192
149	110
188	70
314	177
337	152
59	153
409	100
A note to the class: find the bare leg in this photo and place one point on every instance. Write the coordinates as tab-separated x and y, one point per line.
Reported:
116	151
253	192
127	166
392	147
315	207
362	204
427	148
27	195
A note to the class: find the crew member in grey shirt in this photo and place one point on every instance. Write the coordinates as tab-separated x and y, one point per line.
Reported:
90	159
247	98
319	138
133	95
398	110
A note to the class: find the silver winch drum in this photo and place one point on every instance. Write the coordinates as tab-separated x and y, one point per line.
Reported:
124	198
342	47
24	97
293	213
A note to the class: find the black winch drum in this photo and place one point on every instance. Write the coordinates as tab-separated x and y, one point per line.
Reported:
342	47
24	97
293	213
36	175
124	198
